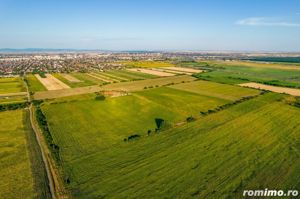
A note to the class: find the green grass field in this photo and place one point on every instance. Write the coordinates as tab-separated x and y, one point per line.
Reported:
85	81
94	133
218	140
88	80
217	156
240	72
34	84
12	99
214	89
11	85
21	168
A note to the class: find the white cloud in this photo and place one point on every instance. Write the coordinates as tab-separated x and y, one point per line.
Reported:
263	21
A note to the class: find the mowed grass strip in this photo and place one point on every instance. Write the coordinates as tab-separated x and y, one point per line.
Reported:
13	99
208	88
72	84
34	84
131	75
113	76
101	77
15	169
11	85
218	156
87	79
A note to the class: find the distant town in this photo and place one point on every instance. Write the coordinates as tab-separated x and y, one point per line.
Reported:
15	62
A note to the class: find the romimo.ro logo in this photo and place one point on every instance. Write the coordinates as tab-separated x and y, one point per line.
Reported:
267	192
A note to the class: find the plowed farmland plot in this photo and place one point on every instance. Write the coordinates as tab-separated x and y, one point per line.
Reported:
100	164
182	69
276	89
51	83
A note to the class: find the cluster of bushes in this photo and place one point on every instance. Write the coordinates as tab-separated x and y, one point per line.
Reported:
156	86
238	78
45	129
99	96
225	106
295	103
190	119
132	138
41	73
161	124
13	106
276	83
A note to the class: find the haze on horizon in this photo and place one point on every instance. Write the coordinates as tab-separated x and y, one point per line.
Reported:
249	25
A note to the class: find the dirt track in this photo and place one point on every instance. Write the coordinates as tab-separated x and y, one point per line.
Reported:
151	72
181	69
276	89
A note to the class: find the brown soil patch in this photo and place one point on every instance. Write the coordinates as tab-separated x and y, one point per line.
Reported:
51	83
276	89
182	69
151	72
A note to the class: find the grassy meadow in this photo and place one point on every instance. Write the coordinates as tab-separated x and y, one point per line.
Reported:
34	84
97	160
13	99
240	72
21	168
168	137
11	85
217	156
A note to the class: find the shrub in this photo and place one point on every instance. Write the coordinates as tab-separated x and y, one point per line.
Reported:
190	119
100	97
14	106
132	137
46	132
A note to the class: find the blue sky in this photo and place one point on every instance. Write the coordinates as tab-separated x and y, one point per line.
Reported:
252	25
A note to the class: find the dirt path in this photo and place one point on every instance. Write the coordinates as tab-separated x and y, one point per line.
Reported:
56	186
171	71
182	69
276	89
